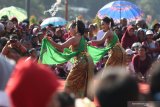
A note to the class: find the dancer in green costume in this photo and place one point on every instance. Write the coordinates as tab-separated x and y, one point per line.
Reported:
116	53
82	72
83	69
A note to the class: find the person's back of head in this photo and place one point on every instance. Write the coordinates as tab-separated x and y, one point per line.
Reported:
123	21
154	83
4	18
65	99
154	78
80	27
3	41
116	89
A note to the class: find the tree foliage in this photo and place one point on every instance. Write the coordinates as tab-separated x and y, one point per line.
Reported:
150	7
37	7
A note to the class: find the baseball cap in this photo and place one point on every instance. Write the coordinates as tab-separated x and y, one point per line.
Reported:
13	36
149	32
140	29
136	44
129	52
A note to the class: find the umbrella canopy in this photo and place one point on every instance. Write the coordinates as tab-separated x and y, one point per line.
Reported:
12	11
120	9
55	21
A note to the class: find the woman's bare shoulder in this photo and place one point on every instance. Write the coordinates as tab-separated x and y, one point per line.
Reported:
109	33
75	40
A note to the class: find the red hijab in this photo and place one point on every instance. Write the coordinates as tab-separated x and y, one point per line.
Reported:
128	40
31	85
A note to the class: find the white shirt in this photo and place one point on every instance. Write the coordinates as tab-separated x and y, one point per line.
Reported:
100	34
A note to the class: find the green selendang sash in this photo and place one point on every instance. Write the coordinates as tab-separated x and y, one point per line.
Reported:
51	56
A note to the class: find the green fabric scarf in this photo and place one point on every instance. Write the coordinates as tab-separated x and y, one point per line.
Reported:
98	53
50	55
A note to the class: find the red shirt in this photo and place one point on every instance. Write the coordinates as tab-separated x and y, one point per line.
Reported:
141	66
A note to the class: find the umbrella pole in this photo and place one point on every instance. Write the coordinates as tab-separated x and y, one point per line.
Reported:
120	11
28	8
120	14
66	10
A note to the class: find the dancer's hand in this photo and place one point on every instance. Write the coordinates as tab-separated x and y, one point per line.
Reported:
92	43
89	42
48	38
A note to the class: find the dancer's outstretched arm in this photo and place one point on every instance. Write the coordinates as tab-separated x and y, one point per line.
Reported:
107	36
66	44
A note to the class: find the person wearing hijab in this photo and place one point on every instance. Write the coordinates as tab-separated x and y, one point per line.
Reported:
128	38
31	85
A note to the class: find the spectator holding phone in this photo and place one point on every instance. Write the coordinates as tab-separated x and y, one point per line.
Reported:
14	49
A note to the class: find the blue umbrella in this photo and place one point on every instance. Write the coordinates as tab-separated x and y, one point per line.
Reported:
120	9
55	21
